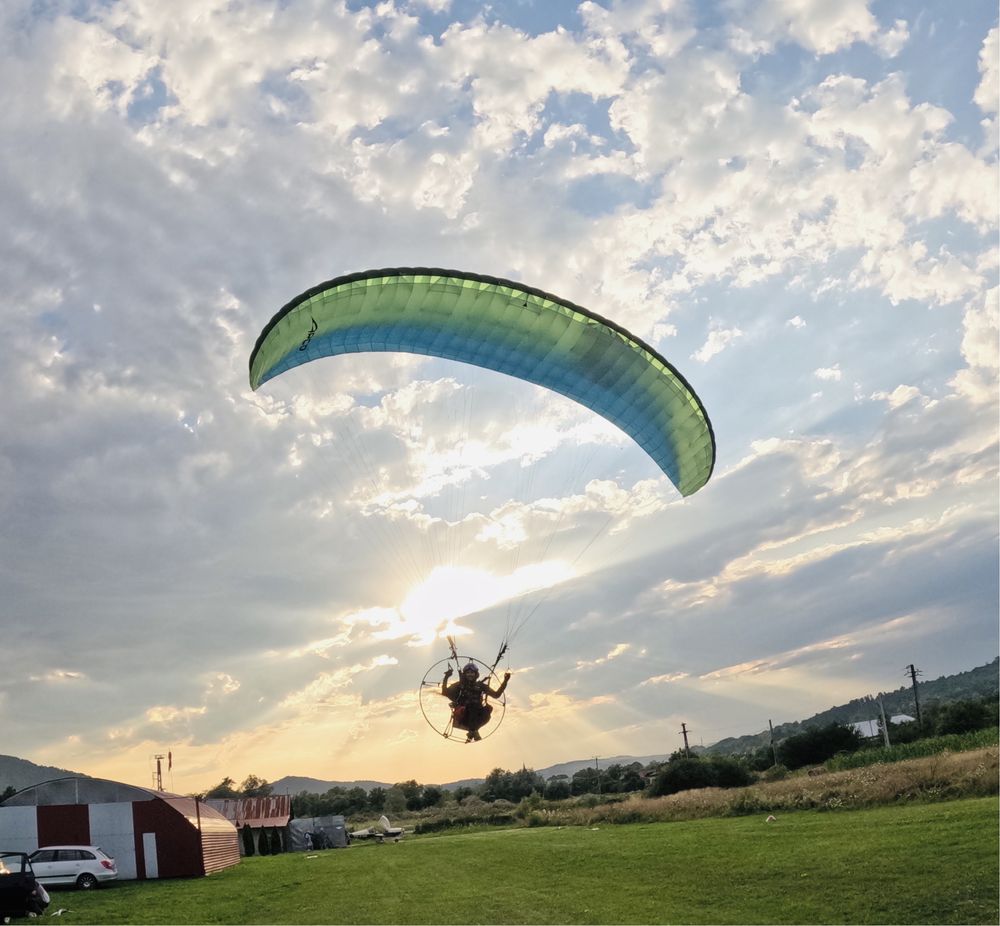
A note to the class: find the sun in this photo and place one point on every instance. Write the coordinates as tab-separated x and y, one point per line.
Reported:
431	609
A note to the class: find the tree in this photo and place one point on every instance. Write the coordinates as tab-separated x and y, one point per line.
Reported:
818	744
585	781
223	790
502	785
255	787
376	798
558	788
524	783
9	791
632	779
246	833
412	792
462	792
432	796
962	717
395	800
357	800
685	774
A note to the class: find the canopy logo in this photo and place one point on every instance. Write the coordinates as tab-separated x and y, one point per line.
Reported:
309	336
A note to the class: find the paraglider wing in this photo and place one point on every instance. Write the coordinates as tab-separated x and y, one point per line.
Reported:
507	327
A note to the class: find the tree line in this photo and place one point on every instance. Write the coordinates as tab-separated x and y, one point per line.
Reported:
680	772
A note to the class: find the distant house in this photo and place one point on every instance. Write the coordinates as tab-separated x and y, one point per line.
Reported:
151	834
259	813
872	728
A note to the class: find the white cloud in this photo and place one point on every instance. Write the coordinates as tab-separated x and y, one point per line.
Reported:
899	396
666	679
330	688
718	340
58	676
508	101
619	649
660	27
222	684
892	42
987	95
818	26
981	350
829	374
167	714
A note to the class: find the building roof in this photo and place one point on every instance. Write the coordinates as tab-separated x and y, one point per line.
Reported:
872	728
84	790
866	727
77	789
274	810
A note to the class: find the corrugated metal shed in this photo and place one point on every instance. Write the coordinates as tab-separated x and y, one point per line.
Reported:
274	810
259	813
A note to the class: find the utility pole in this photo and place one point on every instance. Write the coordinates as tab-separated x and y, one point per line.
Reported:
774	754
885	723
914	672
597	765
684	730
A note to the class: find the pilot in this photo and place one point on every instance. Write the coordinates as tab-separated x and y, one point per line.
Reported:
470	709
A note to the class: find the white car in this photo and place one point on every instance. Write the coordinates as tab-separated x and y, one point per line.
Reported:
84	866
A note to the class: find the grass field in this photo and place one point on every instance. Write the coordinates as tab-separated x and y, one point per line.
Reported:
929	863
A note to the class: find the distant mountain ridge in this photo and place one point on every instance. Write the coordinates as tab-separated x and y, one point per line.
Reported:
292	784
21	773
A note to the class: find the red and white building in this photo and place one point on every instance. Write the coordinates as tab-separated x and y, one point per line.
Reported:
151	834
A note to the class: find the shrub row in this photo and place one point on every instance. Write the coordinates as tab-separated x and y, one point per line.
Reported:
447	823
955	742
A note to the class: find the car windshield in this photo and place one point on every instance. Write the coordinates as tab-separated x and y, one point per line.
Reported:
13	863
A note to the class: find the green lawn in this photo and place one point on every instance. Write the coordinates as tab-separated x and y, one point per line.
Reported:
931	863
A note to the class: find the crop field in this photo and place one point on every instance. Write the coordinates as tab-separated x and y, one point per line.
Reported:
928	863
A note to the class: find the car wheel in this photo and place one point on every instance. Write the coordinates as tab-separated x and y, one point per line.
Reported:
86	882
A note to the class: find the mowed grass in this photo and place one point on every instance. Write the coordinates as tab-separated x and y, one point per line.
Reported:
931	863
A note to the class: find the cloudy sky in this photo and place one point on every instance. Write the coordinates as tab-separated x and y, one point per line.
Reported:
794	201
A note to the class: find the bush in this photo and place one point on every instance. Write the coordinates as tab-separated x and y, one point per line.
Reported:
775	773
926	747
689	773
558	789
730	773
962	717
818	744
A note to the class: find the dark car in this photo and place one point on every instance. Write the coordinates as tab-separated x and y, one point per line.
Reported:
20	893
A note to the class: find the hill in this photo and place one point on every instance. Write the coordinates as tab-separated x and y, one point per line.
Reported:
293	784
571	768
983	681
20	773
